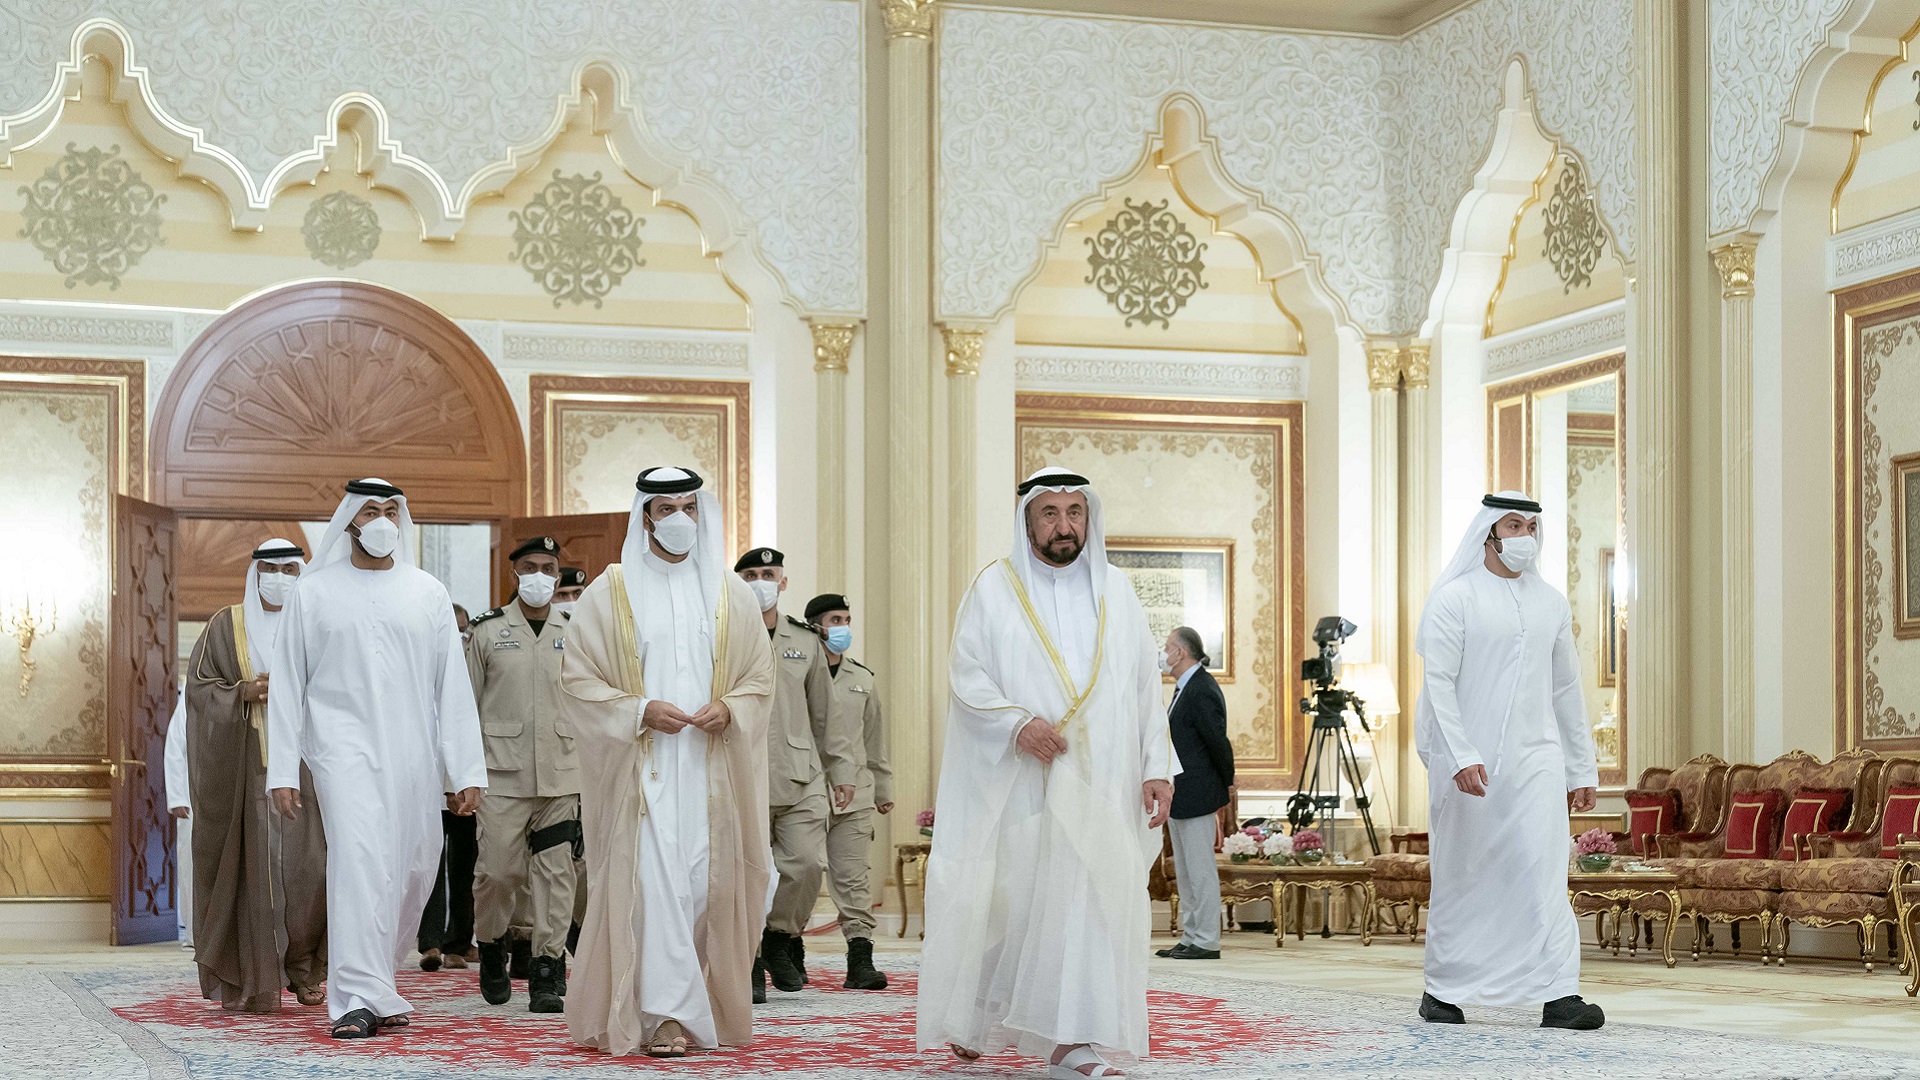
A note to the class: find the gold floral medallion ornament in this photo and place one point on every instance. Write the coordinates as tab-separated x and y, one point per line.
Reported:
92	216
577	239
1146	263
1574	236
341	230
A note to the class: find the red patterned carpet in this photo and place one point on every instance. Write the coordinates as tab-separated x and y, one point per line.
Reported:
146	1021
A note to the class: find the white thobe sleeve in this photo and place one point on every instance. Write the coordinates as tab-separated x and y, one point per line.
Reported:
1570	711
984	706
1157	761
1445	650
463	764
177	790
287	700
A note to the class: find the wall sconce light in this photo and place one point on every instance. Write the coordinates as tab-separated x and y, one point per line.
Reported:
25	623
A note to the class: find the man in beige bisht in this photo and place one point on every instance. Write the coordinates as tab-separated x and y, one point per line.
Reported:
260	882
668	680
1055	777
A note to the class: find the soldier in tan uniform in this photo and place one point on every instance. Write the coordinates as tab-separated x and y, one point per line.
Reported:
530	818
807	756
856	707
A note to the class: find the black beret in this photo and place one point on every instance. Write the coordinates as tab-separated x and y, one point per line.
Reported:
760	556
826	602
647	484
572	577
378	489
539	545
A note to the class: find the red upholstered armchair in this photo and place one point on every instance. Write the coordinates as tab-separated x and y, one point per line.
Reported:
1698	786
1402	879
1846	877
1719	885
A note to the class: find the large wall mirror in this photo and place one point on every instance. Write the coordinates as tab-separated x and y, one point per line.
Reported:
1560	436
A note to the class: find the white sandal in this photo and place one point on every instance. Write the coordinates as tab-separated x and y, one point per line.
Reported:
1068	1068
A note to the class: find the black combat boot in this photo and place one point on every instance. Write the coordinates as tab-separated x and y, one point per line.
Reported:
861	974
494	984
547	985
797	948
759	982
1572	1012
521	965
1435	1011
776	954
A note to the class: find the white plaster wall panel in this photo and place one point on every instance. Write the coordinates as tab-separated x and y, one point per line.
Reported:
1756	52
764	96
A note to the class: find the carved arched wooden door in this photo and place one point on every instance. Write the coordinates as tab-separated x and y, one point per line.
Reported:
303	387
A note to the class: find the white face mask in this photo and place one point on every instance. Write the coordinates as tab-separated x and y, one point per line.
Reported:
537	589
1166	666
767	592
676	533
379	537
563	608
1518	553
275	588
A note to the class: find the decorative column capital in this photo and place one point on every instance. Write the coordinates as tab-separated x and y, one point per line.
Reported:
1414	363
1735	263
907	18
1383	367
832	345
964	345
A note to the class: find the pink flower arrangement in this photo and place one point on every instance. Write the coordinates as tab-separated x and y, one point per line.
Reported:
1309	840
1595	842
924	819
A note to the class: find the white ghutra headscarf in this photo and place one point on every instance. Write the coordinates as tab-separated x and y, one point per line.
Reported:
709	546
1094	551
336	545
263	626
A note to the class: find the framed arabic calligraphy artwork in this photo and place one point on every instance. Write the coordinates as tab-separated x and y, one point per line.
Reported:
1183	582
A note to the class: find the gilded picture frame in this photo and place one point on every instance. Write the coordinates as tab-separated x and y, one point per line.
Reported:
1610	643
1183	582
1906	546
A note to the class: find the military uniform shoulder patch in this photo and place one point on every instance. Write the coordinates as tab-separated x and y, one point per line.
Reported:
858	664
801	623
484	616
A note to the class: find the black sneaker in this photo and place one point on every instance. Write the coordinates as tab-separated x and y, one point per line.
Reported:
1435	1011
1573	1013
495	986
776	954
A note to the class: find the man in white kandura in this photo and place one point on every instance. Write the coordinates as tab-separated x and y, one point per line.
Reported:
371	690
668	682
1057	772
1503	730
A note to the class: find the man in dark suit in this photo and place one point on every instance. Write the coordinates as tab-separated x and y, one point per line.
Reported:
1198	720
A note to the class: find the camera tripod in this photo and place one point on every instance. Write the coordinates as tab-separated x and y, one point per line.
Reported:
1330	735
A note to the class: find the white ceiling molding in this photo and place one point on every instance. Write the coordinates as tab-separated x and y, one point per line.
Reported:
452	99
1366	145
1757	50
1579	336
1873	251
1159	372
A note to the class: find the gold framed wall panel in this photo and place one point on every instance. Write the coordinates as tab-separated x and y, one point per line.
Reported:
1870	322
51	859
1266	441
1512	450
1212	627
716	415
87	417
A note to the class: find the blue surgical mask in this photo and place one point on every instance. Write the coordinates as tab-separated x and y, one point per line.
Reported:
839	639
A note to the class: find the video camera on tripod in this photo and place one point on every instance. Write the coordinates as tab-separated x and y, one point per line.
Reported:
1329	704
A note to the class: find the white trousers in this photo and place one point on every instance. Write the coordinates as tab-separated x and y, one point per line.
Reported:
1199	880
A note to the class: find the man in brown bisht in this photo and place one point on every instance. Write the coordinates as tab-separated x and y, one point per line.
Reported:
667	678
260	882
